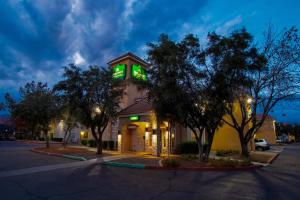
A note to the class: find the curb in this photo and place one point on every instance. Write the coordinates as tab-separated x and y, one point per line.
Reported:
272	159
125	165
142	166
60	155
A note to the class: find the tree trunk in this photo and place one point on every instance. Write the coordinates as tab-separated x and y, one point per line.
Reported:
200	147
244	145
158	135
66	137
47	139
99	145
208	147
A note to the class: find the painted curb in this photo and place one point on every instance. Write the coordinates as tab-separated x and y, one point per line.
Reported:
248	168
74	157
61	155
272	159
142	166
125	165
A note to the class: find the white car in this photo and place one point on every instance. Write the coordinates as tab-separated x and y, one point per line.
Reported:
261	145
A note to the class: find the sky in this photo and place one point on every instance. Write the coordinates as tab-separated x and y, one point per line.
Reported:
38	37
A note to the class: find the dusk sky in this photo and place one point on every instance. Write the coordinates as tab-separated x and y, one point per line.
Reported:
38	37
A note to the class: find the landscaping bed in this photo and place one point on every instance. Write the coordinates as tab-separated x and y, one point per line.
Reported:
182	162
70	151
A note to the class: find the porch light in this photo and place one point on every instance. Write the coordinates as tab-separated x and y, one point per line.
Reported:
82	133
98	110
249	100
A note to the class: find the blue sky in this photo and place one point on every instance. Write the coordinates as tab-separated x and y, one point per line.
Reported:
38	37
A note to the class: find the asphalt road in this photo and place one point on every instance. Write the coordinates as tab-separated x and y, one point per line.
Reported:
281	180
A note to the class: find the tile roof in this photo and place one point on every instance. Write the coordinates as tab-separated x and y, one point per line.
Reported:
139	107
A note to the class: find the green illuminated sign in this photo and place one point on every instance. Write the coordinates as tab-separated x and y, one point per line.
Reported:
137	72
134	118
119	71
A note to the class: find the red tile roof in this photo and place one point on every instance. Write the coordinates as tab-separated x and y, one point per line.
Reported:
139	107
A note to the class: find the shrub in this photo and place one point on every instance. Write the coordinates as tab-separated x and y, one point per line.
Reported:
83	142
224	163
170	162
223	153
229	162
111	145
189	156
104	143
190	147
91	143
57	139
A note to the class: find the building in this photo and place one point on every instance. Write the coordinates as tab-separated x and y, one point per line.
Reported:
267	131
135	128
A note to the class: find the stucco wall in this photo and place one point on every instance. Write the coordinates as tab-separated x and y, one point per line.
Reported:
267	131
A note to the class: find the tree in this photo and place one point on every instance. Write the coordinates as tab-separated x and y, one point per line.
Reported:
183	89
68	107
37	107
95	94
271	78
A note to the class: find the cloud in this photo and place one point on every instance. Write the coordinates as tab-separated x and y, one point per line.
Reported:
38	37
223	30
78	59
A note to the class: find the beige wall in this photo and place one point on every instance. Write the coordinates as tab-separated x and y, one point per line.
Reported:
267	131
130	89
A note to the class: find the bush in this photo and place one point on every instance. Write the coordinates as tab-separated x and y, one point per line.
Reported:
57	139
189	156
223	153
111	145
170	162
229	162
91	143
83	142
190	147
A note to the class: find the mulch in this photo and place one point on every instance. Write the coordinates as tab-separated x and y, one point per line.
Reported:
71	151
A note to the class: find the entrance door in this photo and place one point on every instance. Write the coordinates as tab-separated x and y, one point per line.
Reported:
136	140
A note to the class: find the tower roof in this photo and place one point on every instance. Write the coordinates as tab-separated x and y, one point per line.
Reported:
130	56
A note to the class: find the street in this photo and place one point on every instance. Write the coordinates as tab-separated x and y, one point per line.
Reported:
281	180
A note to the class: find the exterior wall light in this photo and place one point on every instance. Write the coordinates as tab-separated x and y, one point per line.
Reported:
98	110
249	100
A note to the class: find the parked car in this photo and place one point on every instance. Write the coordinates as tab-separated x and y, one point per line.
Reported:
279	141
261	145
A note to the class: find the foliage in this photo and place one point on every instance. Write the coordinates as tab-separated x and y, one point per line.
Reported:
223	153
84	142
190	147
171	162
226	162
91	143
95	95
184	88
37	107
270	77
